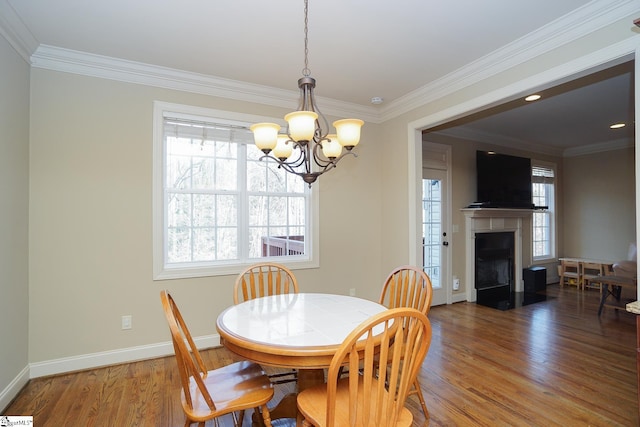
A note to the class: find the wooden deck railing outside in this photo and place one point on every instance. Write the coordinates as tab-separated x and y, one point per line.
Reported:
282	245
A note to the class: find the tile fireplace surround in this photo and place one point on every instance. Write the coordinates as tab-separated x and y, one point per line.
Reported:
492	220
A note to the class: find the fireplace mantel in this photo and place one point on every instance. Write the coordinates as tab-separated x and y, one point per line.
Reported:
487	220
496	212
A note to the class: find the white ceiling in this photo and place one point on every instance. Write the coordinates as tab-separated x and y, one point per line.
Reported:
357	49
570	119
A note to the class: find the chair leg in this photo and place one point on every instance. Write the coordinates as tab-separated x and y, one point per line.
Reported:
266	416
418	391
240	419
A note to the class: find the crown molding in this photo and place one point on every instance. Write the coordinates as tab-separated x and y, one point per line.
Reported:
490	138
88	64
579	23
13	29
617	144
502	141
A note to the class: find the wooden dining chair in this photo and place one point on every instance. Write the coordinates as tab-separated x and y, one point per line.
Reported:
264	279
409	286
210	394
377	395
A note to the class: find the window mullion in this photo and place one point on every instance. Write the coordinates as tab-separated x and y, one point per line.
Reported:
243	204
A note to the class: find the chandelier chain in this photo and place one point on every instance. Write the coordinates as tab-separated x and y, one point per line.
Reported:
305	71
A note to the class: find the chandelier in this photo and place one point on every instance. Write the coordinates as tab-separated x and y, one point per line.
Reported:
318	151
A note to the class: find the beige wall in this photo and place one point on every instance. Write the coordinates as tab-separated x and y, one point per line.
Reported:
14	205
599	205
90	227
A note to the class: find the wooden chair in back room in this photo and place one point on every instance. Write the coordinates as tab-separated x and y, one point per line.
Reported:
375	396
409	286
209	394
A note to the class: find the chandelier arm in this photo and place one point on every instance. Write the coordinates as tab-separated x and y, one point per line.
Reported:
290	164
285	165
307	176
318	158
299	160
321	129
325	163
303	98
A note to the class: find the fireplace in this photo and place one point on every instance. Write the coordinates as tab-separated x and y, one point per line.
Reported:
500	274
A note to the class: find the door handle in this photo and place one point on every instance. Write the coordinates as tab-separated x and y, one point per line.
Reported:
445	243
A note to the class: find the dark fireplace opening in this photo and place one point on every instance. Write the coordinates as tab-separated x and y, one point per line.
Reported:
494	259
495	269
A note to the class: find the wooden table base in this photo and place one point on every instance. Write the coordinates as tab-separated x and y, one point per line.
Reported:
288	407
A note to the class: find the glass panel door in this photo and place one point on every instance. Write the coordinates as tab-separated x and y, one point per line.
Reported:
435	241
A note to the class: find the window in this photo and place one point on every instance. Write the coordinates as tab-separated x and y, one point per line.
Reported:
217	206
543	180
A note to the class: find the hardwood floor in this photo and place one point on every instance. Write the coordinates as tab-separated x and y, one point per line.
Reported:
553	363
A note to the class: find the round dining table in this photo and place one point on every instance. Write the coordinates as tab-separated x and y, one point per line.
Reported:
300	331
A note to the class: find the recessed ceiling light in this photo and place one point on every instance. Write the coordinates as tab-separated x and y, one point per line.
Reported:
377	100
532	98
617	125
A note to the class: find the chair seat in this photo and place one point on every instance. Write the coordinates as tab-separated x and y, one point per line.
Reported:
314	402
241	384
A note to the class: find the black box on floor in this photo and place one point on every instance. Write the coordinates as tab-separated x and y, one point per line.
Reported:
535	279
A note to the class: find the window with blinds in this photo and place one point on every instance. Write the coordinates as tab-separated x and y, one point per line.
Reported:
221	206
543	182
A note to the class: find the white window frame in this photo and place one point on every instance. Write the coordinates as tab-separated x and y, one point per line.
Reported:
163	271
551	211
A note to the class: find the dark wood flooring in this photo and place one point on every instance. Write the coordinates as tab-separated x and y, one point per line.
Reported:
552	363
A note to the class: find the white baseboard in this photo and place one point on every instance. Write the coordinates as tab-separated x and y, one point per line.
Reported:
459	297
113	357
12	390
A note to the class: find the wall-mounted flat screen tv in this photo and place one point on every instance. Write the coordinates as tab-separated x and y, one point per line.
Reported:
503	181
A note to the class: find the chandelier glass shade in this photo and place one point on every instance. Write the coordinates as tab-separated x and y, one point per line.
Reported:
306	148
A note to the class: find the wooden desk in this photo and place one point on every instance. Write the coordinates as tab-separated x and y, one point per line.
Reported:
301	331
612	287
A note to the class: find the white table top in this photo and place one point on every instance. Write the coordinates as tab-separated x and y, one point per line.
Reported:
303	320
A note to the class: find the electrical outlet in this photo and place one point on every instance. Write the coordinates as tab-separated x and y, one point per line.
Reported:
352	292
126	322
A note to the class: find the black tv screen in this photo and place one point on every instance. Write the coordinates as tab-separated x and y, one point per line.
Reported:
503	181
